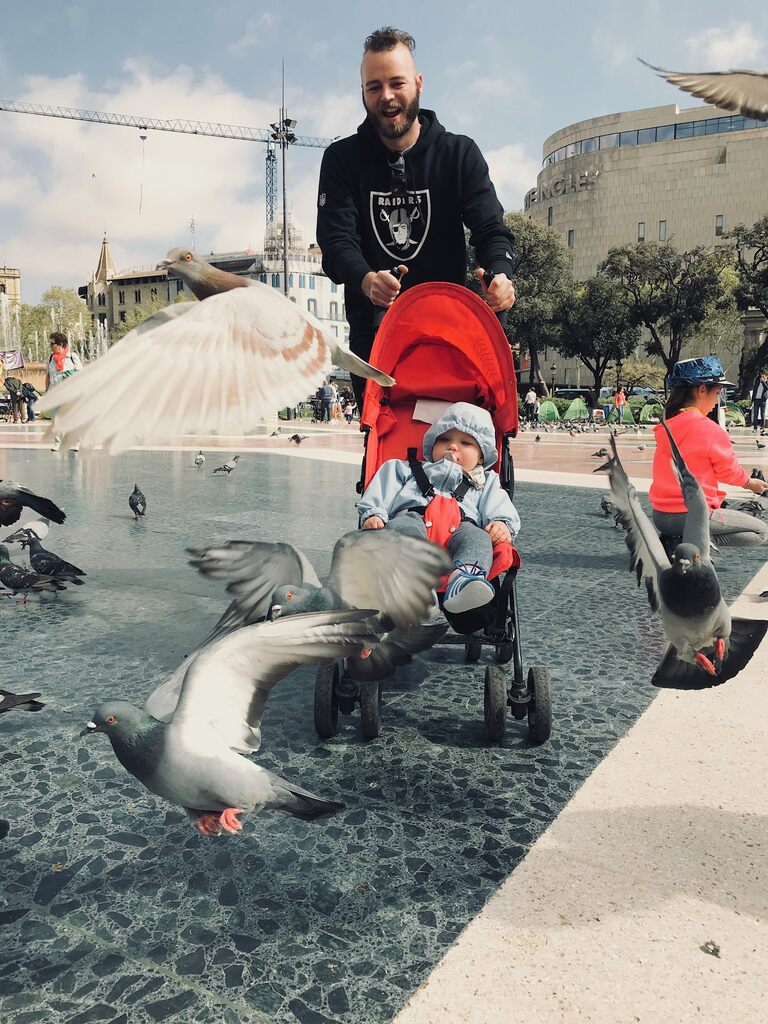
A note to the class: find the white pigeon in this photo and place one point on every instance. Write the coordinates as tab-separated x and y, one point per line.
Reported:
228	467
37	526
199	459
218	366
740	90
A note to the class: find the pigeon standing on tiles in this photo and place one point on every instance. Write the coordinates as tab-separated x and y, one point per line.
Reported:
706	646
228	361
745	92
297	438
20	580
48	564
199	459
193	760
228	467
14	497
37	526
137	502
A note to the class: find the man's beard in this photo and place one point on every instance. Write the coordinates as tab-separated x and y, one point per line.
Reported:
388	128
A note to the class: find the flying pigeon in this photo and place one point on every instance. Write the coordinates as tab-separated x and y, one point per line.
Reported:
193	760
199	459
19	580
599	454
297	438
13	497
220	365
228	466
740	90
48	564
275	433
22	701
37	526
138	502
706	647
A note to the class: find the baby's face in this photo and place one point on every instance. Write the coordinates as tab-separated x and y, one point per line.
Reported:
462	448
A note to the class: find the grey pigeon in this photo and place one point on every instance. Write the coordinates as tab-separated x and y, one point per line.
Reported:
370	568
193	760
607	506
706	647
599	454
48	564
14	497
759	444
20	580
276	432
199	459
22	701
228	466
37	526
297	438
229	361
137	502
740	90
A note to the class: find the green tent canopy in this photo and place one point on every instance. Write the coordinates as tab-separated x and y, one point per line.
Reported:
734	415
577	410
652	410
548	412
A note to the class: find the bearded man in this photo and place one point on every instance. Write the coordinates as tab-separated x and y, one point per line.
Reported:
399	193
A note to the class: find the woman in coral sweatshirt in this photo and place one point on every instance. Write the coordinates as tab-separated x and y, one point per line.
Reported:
695	386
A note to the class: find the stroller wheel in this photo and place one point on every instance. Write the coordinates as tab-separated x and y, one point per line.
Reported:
370	708
472	651
495	703
326	701
504	653
540	706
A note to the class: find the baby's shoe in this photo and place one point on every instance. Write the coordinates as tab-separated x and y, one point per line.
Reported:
467	589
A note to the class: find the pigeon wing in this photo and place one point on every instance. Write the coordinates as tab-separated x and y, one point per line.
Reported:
674	674
228	683
388	571
696	528
13	496
739	89
397	648
252	570
219	366
647	555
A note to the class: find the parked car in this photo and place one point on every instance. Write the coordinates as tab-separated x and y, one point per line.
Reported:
571	393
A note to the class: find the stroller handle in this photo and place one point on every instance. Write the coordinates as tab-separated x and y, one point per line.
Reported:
380	312
488	276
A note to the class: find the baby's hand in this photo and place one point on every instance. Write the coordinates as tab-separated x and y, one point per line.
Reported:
499	533
373	523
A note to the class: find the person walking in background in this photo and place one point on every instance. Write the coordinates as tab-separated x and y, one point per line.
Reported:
15	391
61	364
31	395
619	403
327	395
529	404
759	398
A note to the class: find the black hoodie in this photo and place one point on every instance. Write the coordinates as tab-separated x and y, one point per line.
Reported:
367	221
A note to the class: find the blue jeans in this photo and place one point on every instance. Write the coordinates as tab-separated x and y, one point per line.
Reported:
468	544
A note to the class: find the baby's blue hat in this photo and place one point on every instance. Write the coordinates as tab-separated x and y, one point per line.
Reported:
689	373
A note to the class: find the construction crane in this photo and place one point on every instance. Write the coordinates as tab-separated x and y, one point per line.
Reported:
279	133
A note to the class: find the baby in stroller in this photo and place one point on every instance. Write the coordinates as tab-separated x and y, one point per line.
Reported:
453	498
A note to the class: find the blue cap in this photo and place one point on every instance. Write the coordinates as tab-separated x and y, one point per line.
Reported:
689	373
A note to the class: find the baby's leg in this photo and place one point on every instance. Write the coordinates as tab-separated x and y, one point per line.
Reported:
469	545
409	523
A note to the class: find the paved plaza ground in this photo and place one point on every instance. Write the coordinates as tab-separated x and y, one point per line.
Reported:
605	859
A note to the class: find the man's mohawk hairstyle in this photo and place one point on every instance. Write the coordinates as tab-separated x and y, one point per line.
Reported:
387	38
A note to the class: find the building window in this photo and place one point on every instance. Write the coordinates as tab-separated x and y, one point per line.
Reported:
334	311
549	216
275	280
609	141
719	225
334	287
263	278
137	295
641	231
121	296
101	299
627	138
302	280
153	294
311	282
122	316
571	237
662	231
335	331
312	306
290	280
179	287
646	135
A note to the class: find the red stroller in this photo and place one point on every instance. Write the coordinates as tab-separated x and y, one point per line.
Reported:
442	343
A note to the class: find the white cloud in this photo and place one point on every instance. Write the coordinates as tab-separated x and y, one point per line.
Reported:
513	172
258	32
737	45
612	52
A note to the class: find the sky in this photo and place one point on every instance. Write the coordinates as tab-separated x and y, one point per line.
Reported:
506	73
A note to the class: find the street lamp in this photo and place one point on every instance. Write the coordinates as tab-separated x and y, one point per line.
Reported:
282	133
553	371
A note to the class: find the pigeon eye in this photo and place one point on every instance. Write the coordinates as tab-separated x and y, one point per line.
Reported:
289	597
110	719
188	256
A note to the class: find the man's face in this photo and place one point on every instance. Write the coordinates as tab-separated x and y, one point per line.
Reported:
391	91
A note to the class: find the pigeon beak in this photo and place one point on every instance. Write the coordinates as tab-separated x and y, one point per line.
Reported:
684	563
90	727
274	611
163	265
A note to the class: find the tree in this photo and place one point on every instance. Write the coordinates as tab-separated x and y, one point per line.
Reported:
596	326
637	374
541	275
137	316
670	293
60	309
751	255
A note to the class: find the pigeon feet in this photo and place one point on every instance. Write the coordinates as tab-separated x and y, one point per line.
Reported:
229	820
719	649
208	824
703	662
